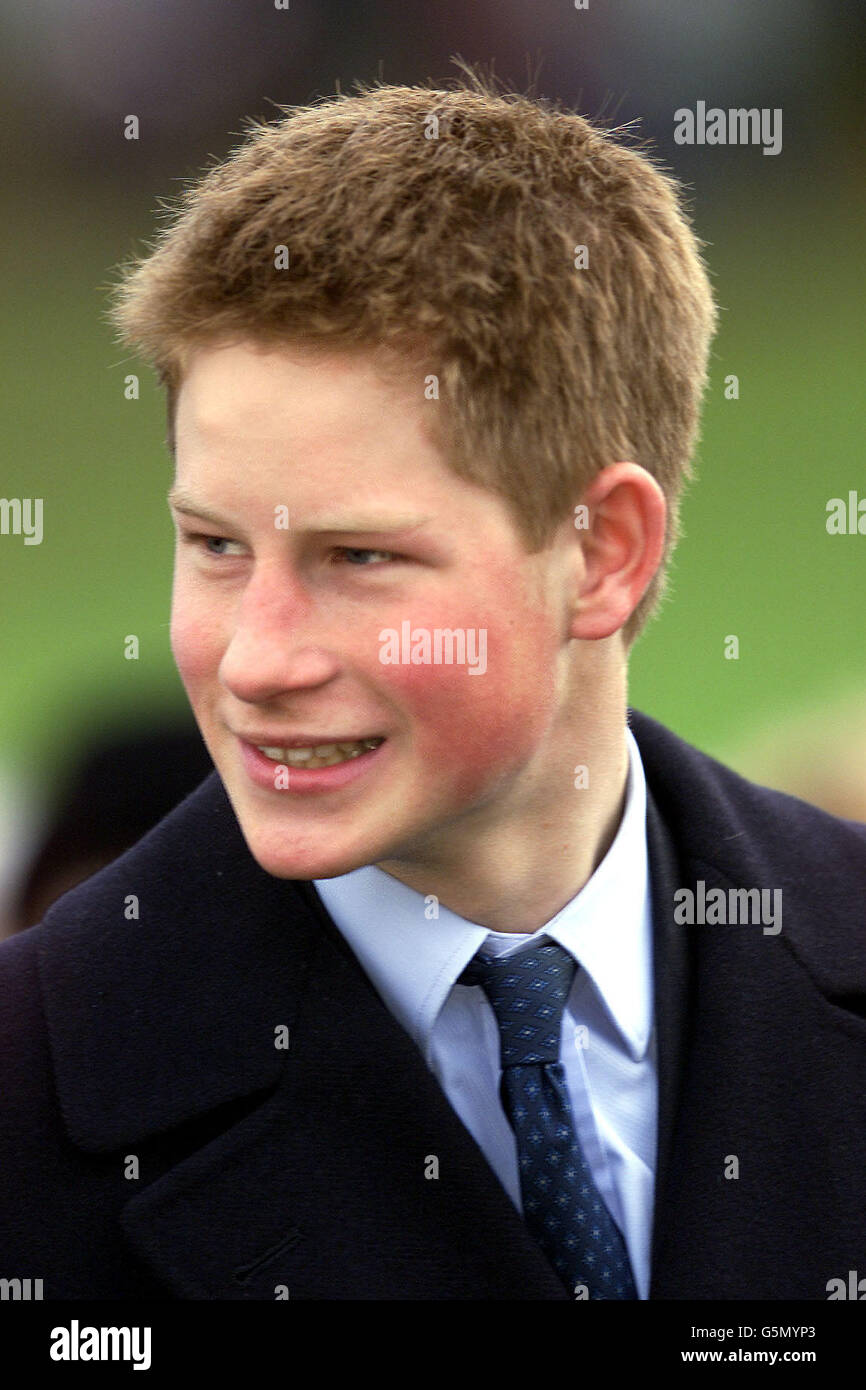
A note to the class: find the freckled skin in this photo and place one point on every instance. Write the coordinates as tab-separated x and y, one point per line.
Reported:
276	636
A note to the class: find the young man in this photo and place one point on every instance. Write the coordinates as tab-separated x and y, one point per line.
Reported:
457	979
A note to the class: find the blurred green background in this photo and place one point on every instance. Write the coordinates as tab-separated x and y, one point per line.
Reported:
755	559
784	238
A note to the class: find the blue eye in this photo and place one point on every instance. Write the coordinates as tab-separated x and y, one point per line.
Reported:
349	551
205	542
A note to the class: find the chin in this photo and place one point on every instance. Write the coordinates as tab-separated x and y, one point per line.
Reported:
307	863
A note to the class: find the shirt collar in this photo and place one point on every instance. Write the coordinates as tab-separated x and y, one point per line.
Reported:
413	949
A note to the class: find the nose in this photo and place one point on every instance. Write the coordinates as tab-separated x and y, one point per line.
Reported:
273	649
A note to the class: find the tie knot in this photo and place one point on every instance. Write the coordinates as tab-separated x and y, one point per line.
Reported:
527	993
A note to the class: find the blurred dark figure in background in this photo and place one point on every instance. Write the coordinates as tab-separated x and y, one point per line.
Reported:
121	788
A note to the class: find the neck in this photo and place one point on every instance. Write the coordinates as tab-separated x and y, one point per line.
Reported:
513	875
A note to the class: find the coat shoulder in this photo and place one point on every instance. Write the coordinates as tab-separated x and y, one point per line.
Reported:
698	791
756	837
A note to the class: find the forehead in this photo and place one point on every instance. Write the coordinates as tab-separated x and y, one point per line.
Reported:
327	428
233	388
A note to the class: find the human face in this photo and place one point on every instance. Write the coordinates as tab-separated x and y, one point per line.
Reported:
278	637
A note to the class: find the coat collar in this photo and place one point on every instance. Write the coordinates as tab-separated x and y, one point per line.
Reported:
732	833
145	1012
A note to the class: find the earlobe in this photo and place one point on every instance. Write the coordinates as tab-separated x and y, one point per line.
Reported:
622	547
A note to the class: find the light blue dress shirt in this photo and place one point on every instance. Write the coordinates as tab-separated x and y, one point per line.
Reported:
414	958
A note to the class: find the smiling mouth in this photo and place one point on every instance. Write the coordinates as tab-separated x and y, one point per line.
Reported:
321	754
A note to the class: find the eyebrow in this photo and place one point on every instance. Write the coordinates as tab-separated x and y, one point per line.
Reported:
182	501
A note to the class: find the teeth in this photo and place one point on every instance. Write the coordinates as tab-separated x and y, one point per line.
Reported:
322	755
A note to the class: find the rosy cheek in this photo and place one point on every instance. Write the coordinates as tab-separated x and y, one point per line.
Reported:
473	728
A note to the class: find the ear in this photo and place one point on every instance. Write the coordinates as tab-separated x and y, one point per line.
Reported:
621	548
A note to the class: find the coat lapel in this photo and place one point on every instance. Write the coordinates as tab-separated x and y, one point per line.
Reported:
298	1171
671	969
761	1183
323	1192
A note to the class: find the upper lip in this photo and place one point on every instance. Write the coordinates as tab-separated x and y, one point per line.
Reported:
302	740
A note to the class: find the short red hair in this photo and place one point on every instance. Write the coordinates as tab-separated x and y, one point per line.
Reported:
444	224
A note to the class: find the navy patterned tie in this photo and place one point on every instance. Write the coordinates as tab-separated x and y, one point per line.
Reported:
562	1206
